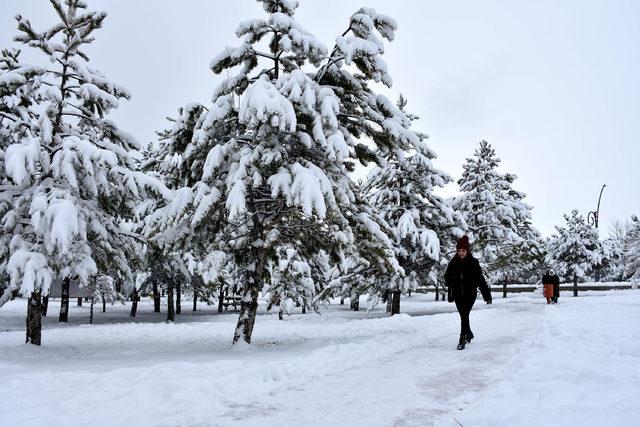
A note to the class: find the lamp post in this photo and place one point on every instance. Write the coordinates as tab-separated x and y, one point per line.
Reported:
592	217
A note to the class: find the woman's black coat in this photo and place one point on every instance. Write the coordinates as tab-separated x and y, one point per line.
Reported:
463	278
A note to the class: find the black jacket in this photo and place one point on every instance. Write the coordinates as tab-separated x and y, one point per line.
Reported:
464	277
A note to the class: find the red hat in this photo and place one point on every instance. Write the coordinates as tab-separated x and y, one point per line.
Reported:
463	243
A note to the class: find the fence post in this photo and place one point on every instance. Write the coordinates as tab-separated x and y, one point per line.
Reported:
504	289
575	285
395	301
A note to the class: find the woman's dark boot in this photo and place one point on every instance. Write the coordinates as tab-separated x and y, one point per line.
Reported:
468	337
461	342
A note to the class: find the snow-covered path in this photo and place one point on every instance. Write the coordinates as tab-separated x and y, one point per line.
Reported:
581	367
530	364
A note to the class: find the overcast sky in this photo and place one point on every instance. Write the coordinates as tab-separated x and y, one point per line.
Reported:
553	85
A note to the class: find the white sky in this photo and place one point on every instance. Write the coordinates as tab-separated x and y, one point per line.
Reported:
553	86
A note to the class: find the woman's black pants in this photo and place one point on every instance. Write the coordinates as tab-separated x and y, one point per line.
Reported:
464	308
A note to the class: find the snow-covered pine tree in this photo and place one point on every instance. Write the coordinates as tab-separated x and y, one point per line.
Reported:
18	82
525	261
521	259
171	156
403	192
105	289
291	283
575	250
370	116
616	247
632	252
168	160
77	177
277	165
496	216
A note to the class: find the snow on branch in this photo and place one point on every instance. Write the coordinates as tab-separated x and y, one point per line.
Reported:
20	160
263	103
29	271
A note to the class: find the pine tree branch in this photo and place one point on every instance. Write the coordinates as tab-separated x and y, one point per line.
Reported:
13	119
263	71
82	116
69	75
325	68
264	55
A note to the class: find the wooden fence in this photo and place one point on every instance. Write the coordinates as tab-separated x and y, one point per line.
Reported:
518	288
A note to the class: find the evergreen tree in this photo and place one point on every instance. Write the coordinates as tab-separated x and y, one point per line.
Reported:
77	177
616	248
526	261
278	161
523	260
497	218
172	157
18	82
104	288
632	252
291	282
168	161
403	192
575	250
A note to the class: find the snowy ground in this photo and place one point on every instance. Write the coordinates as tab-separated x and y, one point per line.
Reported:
574	363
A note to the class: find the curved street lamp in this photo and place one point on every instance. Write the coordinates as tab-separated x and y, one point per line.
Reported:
592	217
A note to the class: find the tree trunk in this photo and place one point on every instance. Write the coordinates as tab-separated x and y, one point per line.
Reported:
156	298
196	286
104	304
134	303
45	305
304	308
79	302
178	298
221	300
395	304
575	285
355	301
249	303
341	300
437	288
64	301
247	318
34	319
171	314
91	311
389	302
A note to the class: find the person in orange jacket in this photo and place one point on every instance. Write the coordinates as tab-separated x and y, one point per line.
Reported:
551	286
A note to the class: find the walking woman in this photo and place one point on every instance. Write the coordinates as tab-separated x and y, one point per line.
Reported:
463	278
